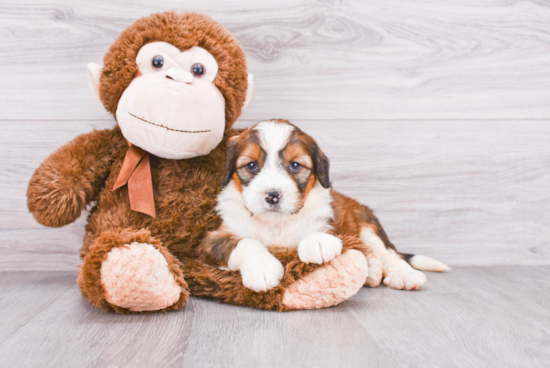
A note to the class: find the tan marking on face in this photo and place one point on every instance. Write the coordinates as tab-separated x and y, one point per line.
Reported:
309	185
298	151
249	151
237	181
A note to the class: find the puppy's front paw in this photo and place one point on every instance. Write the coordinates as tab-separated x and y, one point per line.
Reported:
261	271
319	248
400	275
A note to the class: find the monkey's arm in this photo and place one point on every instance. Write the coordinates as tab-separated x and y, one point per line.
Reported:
71	177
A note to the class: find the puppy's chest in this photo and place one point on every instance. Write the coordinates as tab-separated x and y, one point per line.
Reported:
283	233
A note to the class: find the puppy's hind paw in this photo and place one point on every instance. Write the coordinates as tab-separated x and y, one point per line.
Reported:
400	275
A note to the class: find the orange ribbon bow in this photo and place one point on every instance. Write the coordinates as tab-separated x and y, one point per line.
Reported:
136	172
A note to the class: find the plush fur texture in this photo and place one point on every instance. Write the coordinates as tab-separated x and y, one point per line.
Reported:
89	276
137	276
84	171
209	281
310	292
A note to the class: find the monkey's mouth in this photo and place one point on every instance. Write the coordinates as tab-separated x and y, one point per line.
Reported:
167	128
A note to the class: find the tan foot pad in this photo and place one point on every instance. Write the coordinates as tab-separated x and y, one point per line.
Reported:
137	277
339	280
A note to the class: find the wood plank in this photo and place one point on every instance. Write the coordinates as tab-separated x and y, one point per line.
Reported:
465	192
489	316
23	295
471	316
205	334
384	59
72	333
244	337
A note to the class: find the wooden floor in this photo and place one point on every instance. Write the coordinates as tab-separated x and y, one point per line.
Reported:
470	317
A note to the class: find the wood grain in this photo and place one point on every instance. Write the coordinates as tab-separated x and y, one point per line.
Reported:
384	59
23	295
464	192
490	316
434	114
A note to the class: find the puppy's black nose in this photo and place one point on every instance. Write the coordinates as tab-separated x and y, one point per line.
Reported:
272	197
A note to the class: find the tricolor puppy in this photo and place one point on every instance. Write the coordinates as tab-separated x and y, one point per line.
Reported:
277	194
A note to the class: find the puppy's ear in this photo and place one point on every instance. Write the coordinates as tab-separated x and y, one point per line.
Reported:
231	163
320	165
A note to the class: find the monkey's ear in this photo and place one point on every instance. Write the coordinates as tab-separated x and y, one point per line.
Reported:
231	163
249	90
320	165
94	72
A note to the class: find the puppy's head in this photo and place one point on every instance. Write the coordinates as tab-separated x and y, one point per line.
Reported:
275	165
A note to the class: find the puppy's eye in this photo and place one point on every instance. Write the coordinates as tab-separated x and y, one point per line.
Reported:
252	167
198	70
294	167
158	62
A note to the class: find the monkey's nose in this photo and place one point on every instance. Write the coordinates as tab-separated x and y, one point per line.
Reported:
179	75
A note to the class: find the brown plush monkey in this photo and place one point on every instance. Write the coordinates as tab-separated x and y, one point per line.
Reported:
176	84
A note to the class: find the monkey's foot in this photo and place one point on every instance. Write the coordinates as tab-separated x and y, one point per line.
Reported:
137	277
331	284
132	272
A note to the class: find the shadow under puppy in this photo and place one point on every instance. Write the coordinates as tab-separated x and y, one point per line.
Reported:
277	198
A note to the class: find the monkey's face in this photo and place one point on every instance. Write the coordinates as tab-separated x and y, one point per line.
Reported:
175	82
171	108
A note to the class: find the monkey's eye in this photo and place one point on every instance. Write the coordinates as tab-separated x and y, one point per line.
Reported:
198	70
158	62
294	167
252	167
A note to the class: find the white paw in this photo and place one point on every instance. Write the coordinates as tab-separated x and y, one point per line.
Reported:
261	271
319	248
400	275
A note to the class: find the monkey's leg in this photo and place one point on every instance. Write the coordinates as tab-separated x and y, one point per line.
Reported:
127	270
304	286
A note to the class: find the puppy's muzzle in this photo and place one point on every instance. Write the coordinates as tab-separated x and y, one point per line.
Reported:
272	196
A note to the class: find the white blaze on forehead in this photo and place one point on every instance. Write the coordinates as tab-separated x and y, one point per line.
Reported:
274	137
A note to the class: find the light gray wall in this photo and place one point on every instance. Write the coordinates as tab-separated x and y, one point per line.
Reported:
434	113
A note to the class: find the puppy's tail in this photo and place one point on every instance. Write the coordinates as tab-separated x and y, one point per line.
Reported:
424	263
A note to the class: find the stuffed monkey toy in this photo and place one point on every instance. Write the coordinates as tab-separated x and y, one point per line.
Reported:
176	83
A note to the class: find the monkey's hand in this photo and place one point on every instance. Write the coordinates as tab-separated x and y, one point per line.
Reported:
71	177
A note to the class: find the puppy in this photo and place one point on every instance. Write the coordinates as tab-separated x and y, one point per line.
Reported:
276	193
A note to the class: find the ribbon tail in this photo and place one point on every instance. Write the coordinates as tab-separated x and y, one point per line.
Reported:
140	188
133	157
